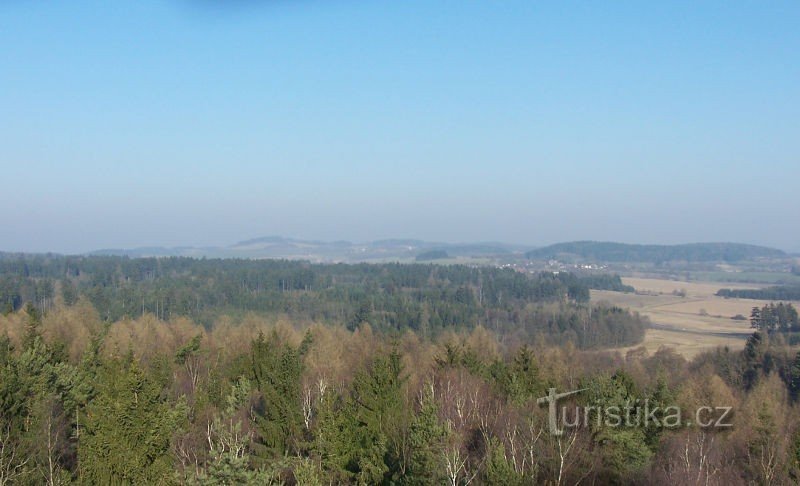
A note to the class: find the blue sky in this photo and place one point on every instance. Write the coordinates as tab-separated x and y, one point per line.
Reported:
202	122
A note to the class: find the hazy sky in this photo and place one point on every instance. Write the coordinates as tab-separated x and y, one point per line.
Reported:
202	122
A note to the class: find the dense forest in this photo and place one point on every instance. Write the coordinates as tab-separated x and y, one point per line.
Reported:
181	371
271	401
777	292
425	298
622	252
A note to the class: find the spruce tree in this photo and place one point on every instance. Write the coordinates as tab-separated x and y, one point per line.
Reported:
126	437
427	436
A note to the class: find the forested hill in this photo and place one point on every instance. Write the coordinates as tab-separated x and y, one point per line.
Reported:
623	252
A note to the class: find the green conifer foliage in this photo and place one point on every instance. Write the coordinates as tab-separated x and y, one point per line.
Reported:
128	427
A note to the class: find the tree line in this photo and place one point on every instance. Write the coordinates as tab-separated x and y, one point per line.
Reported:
605	281
776	292
778	317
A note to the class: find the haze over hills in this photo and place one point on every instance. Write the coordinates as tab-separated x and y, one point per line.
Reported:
324	251
411	249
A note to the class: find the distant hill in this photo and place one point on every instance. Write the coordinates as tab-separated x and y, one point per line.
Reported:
324	251
145	251
622	252
432	255
409	250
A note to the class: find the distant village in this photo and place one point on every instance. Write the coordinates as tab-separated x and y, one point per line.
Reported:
555	266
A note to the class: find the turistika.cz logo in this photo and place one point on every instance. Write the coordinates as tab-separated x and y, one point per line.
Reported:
635	413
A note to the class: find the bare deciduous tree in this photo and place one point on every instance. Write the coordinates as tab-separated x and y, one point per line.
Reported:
12	466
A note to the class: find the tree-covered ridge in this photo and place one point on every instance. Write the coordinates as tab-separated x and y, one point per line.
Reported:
623	252
776	292
426	298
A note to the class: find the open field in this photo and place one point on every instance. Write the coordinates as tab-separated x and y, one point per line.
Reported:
690	323
725	279
694	289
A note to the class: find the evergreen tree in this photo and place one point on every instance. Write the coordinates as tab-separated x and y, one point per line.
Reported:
755	318
128	428
69	292
427	436
794	379
13	393
660	398
33	324
498	469
378	407
623	446
525	383
753	357
334	440
359	438
276	370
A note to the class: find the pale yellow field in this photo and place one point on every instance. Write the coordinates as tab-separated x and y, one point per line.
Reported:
685	343
694	289
690	324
